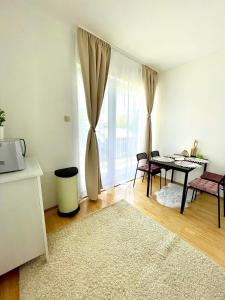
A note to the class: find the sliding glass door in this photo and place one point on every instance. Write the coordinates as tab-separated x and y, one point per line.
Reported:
120	129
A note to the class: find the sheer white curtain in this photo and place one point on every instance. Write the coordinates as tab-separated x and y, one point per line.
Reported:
121	126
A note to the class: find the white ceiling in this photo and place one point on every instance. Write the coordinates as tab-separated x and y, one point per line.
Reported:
160	33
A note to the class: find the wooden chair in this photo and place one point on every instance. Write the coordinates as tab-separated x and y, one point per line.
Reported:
155	154
145	168
209	187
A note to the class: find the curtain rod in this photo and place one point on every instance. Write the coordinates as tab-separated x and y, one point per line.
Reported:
118	49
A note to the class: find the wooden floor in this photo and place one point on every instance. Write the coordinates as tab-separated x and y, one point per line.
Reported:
198	225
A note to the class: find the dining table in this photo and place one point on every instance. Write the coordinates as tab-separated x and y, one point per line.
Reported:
175	167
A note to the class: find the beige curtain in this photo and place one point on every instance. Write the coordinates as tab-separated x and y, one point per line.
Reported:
150	79
94	58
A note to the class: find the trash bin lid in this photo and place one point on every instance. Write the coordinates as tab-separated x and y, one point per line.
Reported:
67	172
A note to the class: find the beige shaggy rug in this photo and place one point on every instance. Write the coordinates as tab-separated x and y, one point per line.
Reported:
119	253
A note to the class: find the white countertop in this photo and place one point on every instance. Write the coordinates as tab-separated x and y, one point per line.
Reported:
32	169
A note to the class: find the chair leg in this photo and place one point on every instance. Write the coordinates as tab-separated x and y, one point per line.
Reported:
143	177
224	201
192	197
165	176
135	178
219	210
161	185
195	194
151	185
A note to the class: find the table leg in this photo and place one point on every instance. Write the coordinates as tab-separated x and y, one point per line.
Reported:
149	175
224	199
172	175
205	167
218	206
184	193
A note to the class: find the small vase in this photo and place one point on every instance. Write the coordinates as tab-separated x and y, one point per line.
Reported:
1	132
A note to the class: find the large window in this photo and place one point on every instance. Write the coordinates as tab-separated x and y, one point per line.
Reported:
120	129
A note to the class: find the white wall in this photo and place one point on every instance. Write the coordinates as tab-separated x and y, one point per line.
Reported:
190	104
37	59
36	86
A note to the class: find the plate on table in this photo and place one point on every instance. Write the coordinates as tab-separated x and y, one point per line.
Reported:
187	164
179	158
163	159
197	160
176	157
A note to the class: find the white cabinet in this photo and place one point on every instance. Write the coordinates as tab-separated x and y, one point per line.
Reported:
22	223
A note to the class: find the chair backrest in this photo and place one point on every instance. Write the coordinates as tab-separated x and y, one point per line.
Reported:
222	182
212	176
155	153
141	156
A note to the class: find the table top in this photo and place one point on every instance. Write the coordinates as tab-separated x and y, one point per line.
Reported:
172	165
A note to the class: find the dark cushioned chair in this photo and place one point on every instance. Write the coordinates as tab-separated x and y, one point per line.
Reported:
155	154
212	187
145	168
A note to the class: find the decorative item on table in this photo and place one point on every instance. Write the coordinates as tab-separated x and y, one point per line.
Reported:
2	120
185	153
194	149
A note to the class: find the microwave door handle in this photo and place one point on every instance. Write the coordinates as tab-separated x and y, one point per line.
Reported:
24	147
